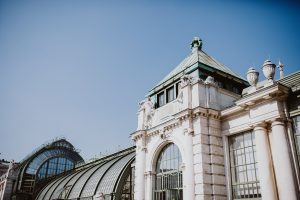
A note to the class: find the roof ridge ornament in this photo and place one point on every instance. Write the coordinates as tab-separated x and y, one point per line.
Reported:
269	70
280	66
196	44
252	77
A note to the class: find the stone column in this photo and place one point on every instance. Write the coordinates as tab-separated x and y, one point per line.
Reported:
140	169
149	185
265	167
189	181
282	162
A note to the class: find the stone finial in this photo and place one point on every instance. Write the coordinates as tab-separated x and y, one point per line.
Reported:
252	76
269	70
280	66
196	44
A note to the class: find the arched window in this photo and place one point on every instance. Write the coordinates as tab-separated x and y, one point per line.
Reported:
168	178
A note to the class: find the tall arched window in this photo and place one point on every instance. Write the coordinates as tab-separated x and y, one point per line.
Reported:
168	178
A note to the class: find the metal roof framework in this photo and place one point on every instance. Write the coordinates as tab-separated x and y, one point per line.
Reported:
30	166
104	175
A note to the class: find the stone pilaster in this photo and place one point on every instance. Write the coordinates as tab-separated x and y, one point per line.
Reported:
140	167
208	150
189	176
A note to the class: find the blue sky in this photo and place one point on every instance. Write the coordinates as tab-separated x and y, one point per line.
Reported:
79	68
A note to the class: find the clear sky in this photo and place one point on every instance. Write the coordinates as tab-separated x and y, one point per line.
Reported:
79	68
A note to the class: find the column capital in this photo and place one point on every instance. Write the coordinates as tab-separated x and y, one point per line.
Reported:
277	122
260	126
149	173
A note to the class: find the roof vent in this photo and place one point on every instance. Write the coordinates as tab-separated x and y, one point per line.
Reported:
196	44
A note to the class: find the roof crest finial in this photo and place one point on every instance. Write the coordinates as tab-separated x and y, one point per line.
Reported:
196	44
280	66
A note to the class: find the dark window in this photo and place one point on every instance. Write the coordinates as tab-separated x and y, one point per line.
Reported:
161	99
177	88
170	94
243	166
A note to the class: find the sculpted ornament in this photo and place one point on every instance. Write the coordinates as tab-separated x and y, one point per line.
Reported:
269	70
252	76
147	107
210	80
188	131
185	80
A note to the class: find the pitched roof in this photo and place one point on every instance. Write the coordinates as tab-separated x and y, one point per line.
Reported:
198	56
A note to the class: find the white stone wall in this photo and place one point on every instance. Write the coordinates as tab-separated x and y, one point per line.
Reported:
193	124
263	113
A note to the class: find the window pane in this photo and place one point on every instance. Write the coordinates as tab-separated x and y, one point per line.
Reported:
243	165
168	180
161	99
170	94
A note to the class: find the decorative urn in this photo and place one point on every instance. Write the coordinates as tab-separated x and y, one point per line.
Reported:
269	70
252	76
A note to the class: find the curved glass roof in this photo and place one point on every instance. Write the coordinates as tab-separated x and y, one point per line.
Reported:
44	156
102	175
47	161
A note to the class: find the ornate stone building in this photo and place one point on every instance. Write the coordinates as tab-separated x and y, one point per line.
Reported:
206	133
203	133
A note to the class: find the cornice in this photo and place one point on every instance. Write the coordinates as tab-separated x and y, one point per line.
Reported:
176	121
275	91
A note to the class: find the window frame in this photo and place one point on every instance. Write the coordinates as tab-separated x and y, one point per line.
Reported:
163	180
228	172
158	99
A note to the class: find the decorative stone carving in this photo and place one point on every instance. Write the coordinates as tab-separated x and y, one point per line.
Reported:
99	196
210	81
162	136
180	94
252	76
147	107
269	70
189	131
196	44
185	80
280	66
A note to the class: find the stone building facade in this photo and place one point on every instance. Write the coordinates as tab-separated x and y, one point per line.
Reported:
203	132
206	133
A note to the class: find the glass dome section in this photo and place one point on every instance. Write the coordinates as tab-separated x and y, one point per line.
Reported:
55	166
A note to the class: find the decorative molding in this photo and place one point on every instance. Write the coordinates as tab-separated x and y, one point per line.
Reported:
149	173
188	131
210	81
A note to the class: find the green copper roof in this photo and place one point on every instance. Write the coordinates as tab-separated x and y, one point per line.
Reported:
198	56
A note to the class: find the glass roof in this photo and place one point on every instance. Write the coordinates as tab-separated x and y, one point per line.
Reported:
102	175
37	161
